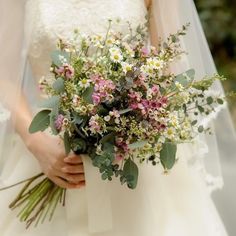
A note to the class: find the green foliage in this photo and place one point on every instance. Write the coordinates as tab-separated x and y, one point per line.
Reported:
167	155
130	172
40	122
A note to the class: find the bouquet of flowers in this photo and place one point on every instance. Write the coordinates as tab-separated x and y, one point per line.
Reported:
115	99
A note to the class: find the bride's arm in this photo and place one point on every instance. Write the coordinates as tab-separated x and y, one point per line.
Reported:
152	24
67	172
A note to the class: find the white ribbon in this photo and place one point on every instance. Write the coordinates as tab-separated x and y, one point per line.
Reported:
98	198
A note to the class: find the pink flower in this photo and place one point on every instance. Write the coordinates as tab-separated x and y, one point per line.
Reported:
134	106
59	122
119	157
144	51
155	88
66	70
96	98
164	100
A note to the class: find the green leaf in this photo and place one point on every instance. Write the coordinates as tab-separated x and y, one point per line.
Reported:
194	122
167	155
108	138
40	122
53	116
200	129
220	101
138	144
209	100
109	148
59	85
185	78
131	172
200	108
55	56
87	94
67	143
78	119
50	102
79	145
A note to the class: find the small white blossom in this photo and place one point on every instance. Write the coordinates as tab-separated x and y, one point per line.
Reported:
179	86
126	67
84	83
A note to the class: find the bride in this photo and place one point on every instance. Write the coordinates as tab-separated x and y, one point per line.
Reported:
178	204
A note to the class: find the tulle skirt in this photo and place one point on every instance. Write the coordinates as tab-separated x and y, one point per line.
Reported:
177	204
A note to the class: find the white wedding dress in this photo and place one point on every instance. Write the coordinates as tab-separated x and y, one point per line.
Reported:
178	204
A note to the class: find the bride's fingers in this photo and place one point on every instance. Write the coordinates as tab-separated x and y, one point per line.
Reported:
73	159
73	178
64	184
73	169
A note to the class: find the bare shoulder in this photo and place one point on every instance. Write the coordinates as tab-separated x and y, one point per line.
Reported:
148	3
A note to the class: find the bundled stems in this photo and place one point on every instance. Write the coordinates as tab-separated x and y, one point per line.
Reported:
39	201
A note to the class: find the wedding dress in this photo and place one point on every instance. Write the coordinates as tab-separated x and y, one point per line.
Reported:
177	204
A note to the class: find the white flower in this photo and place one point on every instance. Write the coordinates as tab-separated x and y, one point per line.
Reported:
107	118
126	67
161	139
170	133
155	63
84	83
147	70
174	120
116	55
128	49
185	96
110	41
179	86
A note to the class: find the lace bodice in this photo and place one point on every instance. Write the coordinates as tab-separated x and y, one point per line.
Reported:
58	18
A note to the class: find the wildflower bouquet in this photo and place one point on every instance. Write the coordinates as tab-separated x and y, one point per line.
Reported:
115	99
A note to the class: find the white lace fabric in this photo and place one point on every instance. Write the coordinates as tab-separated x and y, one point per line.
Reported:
56	19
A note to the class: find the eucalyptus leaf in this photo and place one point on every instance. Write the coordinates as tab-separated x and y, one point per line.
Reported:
87	94
200	129
55	56
109	148
209	100
50	102
40	122
185	78
168	154
131	172
67	143
138	144
108	138
59	85
220	101
53	116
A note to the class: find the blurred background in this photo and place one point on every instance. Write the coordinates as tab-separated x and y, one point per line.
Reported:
218	18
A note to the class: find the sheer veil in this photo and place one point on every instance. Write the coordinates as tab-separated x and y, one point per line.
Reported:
213	156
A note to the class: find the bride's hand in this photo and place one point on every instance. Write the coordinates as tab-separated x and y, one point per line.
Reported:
65	171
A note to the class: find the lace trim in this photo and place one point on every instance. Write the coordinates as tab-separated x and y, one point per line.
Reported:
4	114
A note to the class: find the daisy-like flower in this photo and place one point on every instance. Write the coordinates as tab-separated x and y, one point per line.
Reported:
155	63
179	86
116	55
126	67
170	133
147	70
84	83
